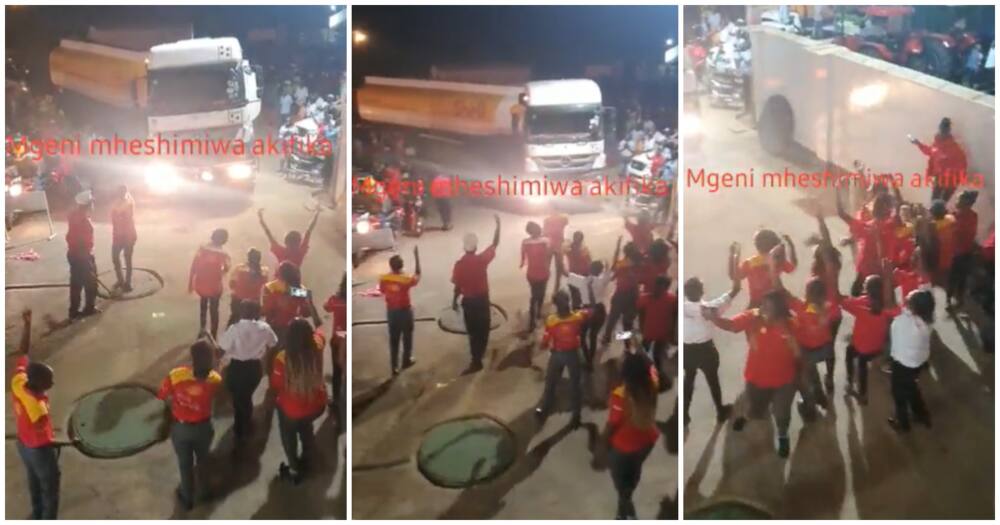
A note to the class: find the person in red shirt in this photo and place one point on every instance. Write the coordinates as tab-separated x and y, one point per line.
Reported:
658	319
943	225
35	441
537	254
336	305
826	267
913	276
757	269
80	254
945	161
562	334
873	312
772	361
963	261
814	318
441	192
296	245
246	283
627	272
190	390
123	237
297	381
875	239
395	287
631	428
284	299
208	268
472	285
656	264
640	231
554	227
577	261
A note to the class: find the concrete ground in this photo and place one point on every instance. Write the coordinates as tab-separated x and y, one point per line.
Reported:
849	464
141	340
556	474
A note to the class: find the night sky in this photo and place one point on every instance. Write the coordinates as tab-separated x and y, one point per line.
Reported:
554	40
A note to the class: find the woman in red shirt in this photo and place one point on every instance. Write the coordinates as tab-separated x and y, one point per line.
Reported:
963	261
627	273
284	299
772	361
209	266
536	254
826	266
873	312
336	305
814	319
297	380
123	237
296	245
631	428
246	284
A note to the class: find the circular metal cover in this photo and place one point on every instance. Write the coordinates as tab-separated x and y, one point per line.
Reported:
463	452
118	421
729	510
453	321
145	282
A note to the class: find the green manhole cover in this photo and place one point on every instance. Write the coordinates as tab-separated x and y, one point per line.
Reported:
463	452
453	321
118	421
729	510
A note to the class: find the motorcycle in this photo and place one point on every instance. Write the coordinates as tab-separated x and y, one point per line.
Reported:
304	159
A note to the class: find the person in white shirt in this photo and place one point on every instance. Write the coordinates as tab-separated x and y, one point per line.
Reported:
699	348
593	290
244	345
910	349
285	106
301	95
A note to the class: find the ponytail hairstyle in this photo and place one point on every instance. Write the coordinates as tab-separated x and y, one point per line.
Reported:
202	359
873	289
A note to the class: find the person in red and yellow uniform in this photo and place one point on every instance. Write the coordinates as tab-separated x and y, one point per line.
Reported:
209	266
297	381
656	264
757	269
963	262
944	233
35	441
631	428
123	237
946	162
873	313
562	334
395	287
80	254
814	320
772	362
246	283
284	299
336	305
537	255
472	285
658	319
296	245
190	391
875	239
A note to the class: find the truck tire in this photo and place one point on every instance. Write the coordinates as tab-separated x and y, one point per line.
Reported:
935	60
776	126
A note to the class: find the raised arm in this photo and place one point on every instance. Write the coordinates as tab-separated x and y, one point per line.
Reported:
416	258
792	257
267	231
824	233
309	230
618	250
840	209
496	231
25	345
733	262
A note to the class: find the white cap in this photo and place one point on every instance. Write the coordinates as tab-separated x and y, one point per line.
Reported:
84	197
470	242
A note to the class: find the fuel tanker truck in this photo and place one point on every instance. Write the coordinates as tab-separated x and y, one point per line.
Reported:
173	112
551	128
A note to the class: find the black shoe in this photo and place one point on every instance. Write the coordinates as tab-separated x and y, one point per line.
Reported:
723	413
739	423
540	414
574	423
784	446
185	504
473	368
127	287
897	426
861	397
286	473
808	415
87	312
823	402
409	363
74	315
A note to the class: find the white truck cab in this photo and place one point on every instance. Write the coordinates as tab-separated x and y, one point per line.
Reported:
564	126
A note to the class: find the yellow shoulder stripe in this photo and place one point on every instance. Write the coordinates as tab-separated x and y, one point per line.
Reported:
181	374
34	408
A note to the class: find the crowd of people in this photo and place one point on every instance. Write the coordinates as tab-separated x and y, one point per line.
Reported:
273	331
901	251
580	327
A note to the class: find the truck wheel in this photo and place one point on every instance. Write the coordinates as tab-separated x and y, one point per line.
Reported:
776	126
936	59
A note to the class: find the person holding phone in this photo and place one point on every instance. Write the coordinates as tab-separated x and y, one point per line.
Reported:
284	299
395	287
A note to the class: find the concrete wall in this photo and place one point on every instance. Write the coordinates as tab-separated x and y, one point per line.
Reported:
852	107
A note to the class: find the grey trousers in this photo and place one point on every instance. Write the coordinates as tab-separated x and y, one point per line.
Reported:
191	443
558	360
42	464
780	400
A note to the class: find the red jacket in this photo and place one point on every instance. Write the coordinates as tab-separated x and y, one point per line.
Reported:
209	266
625	436
944	157
31	410
771	361
80	234
279	307
190	398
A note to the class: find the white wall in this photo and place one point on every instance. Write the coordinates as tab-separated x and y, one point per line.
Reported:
818	80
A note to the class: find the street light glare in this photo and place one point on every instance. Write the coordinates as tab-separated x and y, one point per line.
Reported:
360	37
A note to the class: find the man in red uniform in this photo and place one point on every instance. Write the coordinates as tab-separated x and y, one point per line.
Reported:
336	305
190	391
472	285
80	254
658	319
395	287
562	333
945	161
627	272
875	238
757	269
123	237
641	231
210	264
537	254
296	245
577	262
35	445
966	224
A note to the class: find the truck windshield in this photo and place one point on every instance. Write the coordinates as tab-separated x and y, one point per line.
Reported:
192	90
549	124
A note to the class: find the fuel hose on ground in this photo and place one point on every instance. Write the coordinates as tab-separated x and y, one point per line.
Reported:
146	282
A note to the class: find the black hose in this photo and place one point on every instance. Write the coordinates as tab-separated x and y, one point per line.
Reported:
371	322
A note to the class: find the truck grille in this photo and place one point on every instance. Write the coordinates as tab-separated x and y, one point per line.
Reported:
567	162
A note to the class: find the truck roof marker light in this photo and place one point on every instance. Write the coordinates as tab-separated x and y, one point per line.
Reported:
867	97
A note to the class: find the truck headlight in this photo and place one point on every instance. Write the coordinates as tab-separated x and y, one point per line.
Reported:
363	227
15	190
162	178
239	171
530	165
600	161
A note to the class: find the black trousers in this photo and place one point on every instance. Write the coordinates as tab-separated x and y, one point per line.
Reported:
536	300
626	471
623	307
591	329
703	357
294	432
961	266
242	378
942	192
778	398
209	307
831	363
400	328
657	350
575	299
476	311
234	311
82	279
859	362
906	393
116	252
444	210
